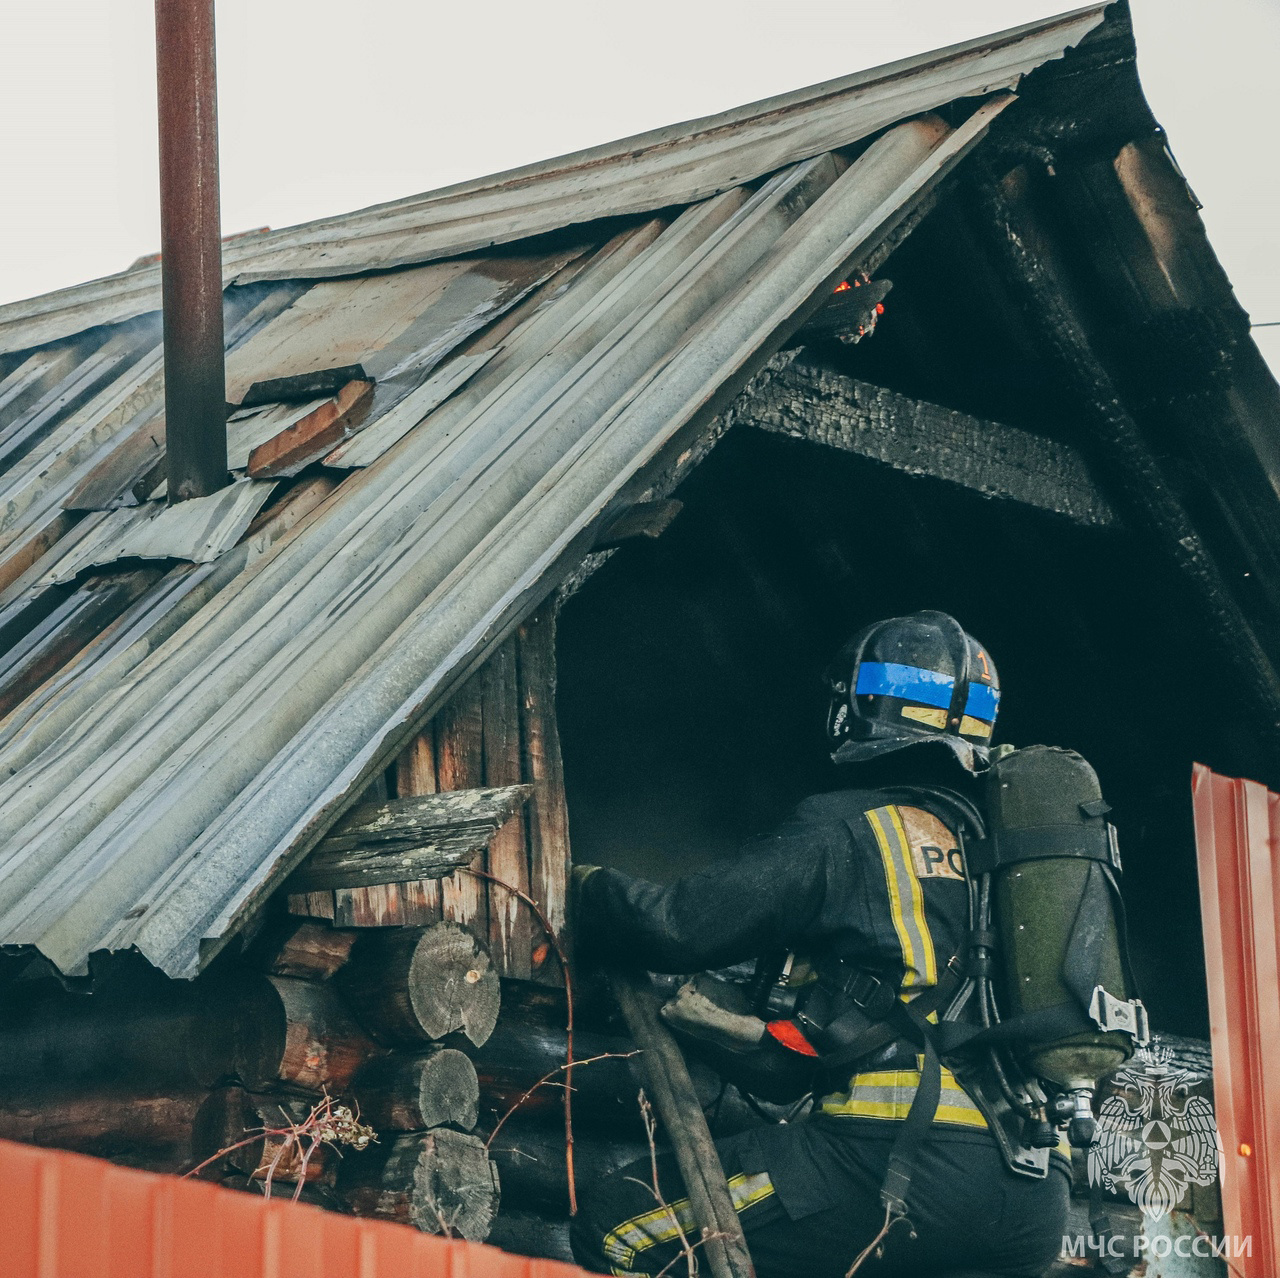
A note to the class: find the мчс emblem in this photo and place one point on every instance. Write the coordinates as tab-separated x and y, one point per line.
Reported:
1155	1138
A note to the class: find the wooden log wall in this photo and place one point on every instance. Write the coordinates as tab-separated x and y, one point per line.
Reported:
409	1028
170	1076
499	729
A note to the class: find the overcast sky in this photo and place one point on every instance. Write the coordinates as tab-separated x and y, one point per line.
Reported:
329	105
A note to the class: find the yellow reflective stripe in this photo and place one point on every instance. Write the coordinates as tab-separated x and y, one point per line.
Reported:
663	1224
929	972
906	901
746	1191
888	1094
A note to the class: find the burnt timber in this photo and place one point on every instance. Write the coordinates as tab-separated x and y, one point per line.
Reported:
920	438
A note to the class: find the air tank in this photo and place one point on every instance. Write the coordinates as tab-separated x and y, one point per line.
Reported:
1056	915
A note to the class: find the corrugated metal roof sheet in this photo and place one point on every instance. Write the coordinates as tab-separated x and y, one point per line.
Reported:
1238	847
68	1216
660	169
195	729
202	770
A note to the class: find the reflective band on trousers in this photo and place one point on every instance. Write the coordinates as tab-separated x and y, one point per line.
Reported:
888	1094
663	1224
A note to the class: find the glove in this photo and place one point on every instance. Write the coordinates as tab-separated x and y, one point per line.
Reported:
579	876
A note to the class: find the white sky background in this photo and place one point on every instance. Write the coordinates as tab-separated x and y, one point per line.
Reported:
330	105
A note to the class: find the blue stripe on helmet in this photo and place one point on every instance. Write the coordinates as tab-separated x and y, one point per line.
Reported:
983	702
910	683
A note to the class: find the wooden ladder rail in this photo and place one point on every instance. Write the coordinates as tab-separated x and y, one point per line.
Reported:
671	1089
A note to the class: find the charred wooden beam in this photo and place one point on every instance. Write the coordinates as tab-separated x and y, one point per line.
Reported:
442	1182
919	438
413	985
1151	504
435	1088
420	837
302	387
524	1050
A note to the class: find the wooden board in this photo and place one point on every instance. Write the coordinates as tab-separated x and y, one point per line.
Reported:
498	731
546	815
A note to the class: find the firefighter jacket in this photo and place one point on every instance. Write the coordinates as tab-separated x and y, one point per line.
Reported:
870	877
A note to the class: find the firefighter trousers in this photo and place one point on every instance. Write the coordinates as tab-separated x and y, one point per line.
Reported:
808	1198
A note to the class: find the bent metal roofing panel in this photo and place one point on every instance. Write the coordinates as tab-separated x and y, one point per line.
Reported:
176	734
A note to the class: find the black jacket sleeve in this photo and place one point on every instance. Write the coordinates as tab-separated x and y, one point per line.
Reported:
765	898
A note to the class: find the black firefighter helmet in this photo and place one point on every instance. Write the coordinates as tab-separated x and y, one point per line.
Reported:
908	680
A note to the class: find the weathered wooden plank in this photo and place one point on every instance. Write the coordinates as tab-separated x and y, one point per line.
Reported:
548	817
416	819
311	905
401	843
309	439
510	935
405	840
412	904
416	766
389	863
925	439
418	902
460	766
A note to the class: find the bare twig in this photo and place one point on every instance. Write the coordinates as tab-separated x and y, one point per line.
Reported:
563	959
326	1124
889	1221
546	1080
686	1247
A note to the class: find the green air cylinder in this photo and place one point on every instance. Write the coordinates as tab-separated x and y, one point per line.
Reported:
1039	799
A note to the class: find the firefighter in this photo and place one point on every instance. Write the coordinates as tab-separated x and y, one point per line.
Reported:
860	908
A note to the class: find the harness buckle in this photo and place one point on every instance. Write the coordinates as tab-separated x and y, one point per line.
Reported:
868	993
1112	1014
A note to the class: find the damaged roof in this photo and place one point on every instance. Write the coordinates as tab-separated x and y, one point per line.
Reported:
191	696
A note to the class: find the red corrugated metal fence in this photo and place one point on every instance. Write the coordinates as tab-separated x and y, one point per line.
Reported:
67	1216
1237	842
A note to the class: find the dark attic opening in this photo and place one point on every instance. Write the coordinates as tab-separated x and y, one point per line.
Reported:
690	695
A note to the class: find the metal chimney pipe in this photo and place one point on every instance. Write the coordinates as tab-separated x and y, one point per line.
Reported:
191	250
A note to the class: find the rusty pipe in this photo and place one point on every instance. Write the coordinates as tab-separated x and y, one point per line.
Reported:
191	249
